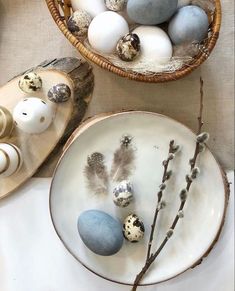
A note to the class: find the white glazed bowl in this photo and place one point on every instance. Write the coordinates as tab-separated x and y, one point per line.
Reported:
194	236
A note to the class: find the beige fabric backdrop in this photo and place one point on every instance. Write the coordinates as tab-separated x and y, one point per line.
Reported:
28	35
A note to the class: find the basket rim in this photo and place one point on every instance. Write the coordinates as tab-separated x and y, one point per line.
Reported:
156	78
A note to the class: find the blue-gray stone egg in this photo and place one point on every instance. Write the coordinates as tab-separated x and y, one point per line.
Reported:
100	232
189	24
150	12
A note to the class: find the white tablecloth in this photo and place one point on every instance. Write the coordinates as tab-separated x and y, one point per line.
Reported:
32	258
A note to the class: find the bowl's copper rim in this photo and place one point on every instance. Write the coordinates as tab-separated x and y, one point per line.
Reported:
111	114
158	78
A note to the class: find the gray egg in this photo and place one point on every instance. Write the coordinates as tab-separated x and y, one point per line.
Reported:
59	93
100	232
128	47
123	194
30	82
133	228
115	5
150	12
189	24
79	22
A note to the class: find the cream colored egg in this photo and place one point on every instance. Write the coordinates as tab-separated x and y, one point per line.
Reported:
6	122
10	160
30	82
155	44
105	31
92	7
33	115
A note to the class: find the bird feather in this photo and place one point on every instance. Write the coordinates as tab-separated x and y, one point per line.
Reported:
96	174
123	163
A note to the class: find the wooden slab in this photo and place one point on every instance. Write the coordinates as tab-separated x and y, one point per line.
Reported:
35	148
41	152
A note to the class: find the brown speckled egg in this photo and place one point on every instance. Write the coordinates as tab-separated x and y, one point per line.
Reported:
59	93
133	228
115	5
79	22
128	47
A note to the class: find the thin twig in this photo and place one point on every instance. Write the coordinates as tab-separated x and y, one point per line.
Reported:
165	177
153	257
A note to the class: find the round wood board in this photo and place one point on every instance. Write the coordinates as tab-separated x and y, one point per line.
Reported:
205	211
35	148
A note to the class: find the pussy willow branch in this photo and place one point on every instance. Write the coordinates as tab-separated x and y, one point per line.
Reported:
153	256
160	195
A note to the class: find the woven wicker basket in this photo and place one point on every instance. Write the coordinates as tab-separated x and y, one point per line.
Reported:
61	10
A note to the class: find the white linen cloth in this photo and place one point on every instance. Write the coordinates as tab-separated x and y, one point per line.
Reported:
32	258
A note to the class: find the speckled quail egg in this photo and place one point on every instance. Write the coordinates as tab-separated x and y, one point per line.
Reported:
10	160
123	194
133	228
115	5
128	47
79	22
59	93
33	115
30	82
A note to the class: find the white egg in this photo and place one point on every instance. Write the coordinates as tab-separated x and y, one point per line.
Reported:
155	44
92	7
10	160
33	115
105	31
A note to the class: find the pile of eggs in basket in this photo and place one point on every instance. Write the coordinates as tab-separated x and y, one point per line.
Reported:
138	29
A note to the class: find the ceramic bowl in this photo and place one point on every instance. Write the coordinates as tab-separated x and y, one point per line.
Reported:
194	236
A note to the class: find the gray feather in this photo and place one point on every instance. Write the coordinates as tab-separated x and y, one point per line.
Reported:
96	174
186	49
123	163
